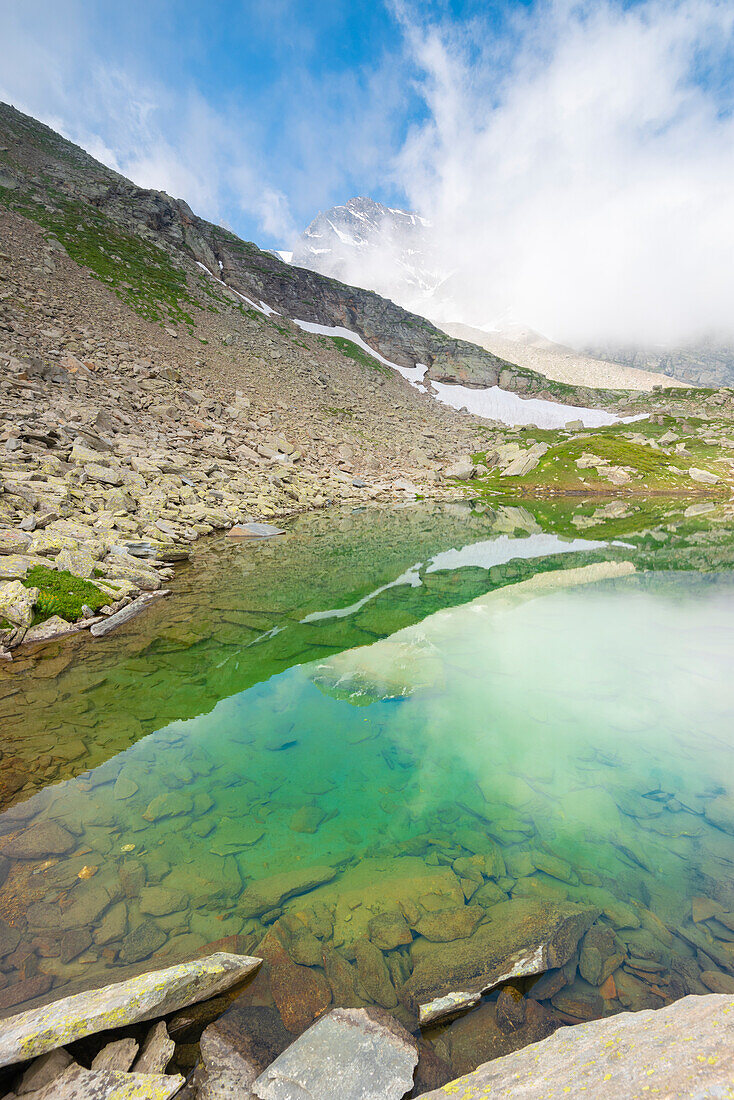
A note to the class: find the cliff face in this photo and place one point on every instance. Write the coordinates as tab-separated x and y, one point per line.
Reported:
47	178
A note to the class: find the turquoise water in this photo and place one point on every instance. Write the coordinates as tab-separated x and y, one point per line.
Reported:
329	745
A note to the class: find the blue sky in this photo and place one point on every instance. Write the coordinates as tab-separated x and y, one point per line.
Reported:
574	156
317	97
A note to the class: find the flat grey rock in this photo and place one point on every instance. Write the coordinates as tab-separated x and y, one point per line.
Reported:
227	1072
684	1050
157	1051
145	997
351	1054
118	1055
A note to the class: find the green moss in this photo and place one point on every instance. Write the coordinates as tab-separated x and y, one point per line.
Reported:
61	593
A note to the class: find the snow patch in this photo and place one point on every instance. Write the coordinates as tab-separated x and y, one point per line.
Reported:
263	308
494	403
346	334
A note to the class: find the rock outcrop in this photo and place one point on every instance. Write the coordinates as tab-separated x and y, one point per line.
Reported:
686	1050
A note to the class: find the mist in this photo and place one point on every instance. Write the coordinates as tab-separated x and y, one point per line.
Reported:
579	174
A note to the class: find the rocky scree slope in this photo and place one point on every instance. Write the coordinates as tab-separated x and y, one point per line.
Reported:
47	178
143	403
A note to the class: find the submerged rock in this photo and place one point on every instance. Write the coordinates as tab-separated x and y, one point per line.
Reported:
265	894
301	994
352	1054
142	998
522	937
45	838
686	1049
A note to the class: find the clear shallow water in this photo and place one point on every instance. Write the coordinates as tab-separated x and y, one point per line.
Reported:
581	733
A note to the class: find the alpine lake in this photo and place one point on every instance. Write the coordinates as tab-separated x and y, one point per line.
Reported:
368	748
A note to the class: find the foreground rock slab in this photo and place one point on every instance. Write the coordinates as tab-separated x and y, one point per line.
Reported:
685	1050
142	998
351	1054
86	1084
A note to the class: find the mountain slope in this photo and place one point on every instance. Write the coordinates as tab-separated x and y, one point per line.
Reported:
708	362
393	253
136	239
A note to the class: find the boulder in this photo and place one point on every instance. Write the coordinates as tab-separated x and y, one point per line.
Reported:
463	469
237	1047
17	603
686	1049
43	1070
156	1052
351	1054
704	477
13	542
118	1055
301	994
227	1072
522	937
526	462
254	531
141	998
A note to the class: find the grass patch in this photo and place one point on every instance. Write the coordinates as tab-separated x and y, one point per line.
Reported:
141	275
649	466
353	351
61	593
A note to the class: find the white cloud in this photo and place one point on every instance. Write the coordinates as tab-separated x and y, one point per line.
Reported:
583	182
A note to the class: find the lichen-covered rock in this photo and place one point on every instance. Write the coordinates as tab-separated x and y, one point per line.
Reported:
17	603
352	1054
156	1052
77	1083
13	542
142	998
684	1050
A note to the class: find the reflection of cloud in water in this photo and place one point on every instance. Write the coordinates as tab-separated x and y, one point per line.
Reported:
482	555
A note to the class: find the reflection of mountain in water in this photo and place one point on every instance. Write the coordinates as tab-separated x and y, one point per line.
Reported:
242	614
